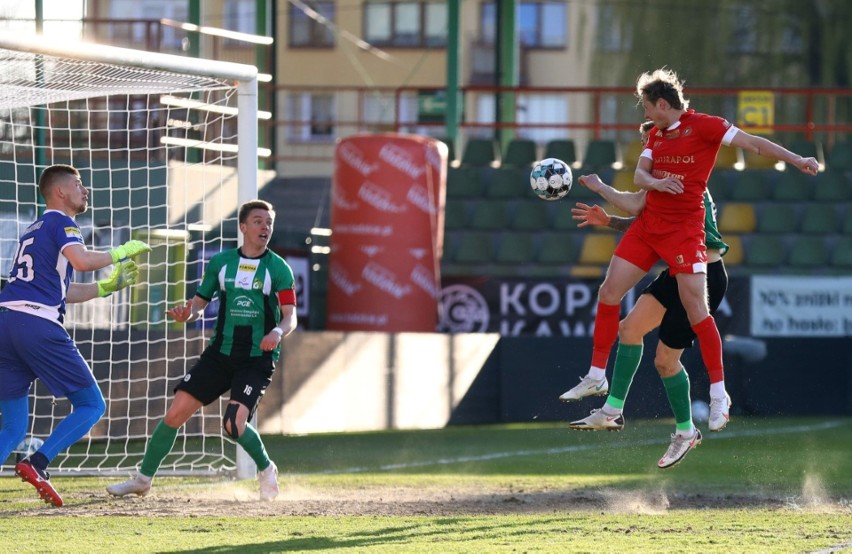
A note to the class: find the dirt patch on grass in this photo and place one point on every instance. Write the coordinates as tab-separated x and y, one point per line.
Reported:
241	499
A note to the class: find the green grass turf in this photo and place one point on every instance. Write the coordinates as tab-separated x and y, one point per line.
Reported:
762	485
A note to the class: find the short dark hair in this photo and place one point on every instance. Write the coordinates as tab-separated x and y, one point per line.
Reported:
662	83
51	176
646	126
246	208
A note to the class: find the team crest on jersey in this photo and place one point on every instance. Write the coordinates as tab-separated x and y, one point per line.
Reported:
673	134
679	259
687	131
257	284
73	233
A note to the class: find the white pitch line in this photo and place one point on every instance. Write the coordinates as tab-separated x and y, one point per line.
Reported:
576	448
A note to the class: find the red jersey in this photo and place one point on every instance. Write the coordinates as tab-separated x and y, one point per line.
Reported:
687	151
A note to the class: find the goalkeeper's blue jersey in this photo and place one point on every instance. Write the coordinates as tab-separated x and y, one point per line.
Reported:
40	276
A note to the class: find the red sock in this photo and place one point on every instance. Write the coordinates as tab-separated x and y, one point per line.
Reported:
710	343
606	331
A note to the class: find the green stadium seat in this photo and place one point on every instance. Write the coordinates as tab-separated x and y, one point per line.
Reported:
846	226
515	248
765	252
455	215
531	215
734	255
749	186
778	218
600	153
490	215
842	256
474	248
808	149
832	186
729	157
561	149
508	182
793	186
840	157
809	253
719	184
819	218
479	152
631	152
463	182
520	153
557	249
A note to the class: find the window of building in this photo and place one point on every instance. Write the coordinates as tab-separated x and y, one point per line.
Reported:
406	24
613	33
312	117
540	23
305	30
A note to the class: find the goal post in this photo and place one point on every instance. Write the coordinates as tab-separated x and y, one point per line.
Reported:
167	147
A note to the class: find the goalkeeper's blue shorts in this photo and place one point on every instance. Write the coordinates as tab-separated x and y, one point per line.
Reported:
31	348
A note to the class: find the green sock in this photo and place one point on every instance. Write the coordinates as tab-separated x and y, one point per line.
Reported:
627	359
677	389
159	445
251	443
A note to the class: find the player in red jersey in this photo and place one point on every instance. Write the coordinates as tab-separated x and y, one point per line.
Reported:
680	155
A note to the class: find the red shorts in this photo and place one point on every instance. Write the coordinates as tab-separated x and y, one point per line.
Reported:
680	245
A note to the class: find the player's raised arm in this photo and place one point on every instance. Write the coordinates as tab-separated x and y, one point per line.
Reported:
630	202
123	275
83	259
768	149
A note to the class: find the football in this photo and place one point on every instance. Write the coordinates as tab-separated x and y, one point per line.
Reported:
551	179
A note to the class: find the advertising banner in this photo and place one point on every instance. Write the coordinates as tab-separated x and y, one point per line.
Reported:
387	233
801	306
555	307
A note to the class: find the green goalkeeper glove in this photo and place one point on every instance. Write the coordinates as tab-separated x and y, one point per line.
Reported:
129	249
123	274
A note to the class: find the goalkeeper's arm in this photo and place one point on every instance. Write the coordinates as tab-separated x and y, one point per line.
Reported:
123	275
83	259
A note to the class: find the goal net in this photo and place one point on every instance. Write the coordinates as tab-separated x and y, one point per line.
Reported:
167	147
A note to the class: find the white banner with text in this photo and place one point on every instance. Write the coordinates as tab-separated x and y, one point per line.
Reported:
801	306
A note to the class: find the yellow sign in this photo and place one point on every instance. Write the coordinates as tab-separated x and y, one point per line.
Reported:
756	111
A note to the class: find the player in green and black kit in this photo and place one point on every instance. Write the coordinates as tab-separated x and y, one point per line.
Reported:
257	307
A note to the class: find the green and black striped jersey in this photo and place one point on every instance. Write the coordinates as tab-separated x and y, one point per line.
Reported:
713	238
250	292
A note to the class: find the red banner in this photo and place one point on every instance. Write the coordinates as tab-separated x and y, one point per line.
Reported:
387	233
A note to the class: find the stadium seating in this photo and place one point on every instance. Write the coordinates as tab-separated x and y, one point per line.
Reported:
531	216
632	150
840	157
737	217
719	184
808	149
749	186
509	183
765	252
842	256
597	249
480	152
474	248
809	253
734	256
792	186
832	186
623	180
463	182
455	215
557	249
600	153
561	149
819	218
490	215
756	161
515	248
520	153
778	218
846	226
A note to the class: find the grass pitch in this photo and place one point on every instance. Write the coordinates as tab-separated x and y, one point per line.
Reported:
762	485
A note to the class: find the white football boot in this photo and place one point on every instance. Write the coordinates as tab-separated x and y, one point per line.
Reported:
587	387
719	413
679	448
268	479
598	421
139	485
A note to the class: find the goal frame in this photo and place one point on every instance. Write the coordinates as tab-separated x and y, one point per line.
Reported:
246	79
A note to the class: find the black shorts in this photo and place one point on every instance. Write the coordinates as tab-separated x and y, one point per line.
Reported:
214	374
675	330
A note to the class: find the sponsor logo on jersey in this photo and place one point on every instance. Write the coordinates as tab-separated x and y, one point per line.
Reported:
248	267
34	227
73	232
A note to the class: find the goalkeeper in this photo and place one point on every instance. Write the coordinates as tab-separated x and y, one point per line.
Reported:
33	342
257	307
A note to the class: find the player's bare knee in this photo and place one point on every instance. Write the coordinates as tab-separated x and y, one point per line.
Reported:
628	333
229	421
